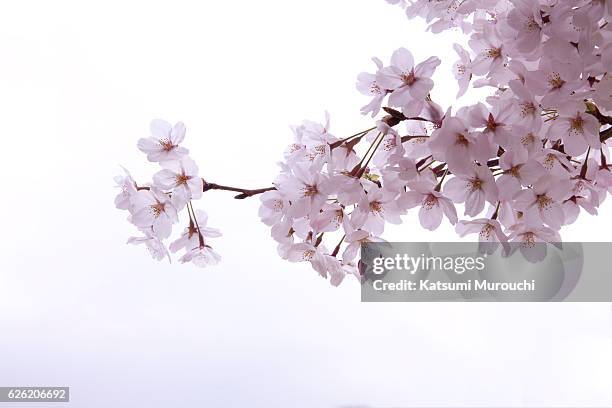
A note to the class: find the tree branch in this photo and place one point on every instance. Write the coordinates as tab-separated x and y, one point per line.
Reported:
244	193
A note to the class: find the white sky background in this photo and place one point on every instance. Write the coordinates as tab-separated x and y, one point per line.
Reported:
79	84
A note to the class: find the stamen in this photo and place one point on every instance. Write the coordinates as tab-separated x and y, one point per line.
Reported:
529	239
461	140
310	191
308	255
576	125
550	160
166	144
475	185
493	53
375	206
555	81
528	139
408	78
430	201
527	109
182	179
157	209
487	231
544	202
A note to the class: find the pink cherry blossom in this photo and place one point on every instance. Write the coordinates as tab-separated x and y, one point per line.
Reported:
433	204
490	234
495	121
473	187
331	218
126	183
307	191
154	245
374	209
577	129
196	232
531	239
153	208
201	256
543	202
163	145
554	162
526	19
367	85
555	81
273	208
518	171
489	50
526	109
180	176
453	143
409	84
354	240
462	69
307	252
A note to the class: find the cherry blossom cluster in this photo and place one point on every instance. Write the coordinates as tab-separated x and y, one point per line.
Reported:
514	168
154	208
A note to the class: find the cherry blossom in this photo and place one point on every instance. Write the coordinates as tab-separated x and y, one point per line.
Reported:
490	55
153	208
473	187
308	252
163	145
376	208
462	69
532	240
367	85
490	234
409	84
180	176
154	245
576	128
201	256
196	231
126	183
526	19
543	202
354	240
433	205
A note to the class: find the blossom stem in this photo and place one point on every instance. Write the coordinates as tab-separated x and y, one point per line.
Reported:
583	170
319	239
346	139
439	169
381	137
496	213
439	185
426	166
356	171
200	237
337	248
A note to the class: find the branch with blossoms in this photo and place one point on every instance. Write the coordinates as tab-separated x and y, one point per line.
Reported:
520	165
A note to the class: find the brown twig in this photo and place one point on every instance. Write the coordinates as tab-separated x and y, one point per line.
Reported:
244	193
